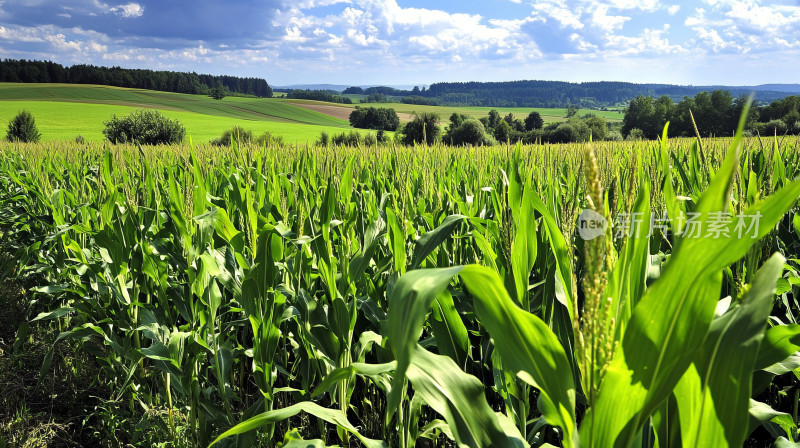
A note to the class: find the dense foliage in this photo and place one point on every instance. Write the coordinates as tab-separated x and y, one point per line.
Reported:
714	113
12	70
318	95
422	129
243	136
22	128
144	126
563	94
384	119
554	94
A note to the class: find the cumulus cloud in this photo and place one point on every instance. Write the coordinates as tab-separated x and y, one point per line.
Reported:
128	10
389	37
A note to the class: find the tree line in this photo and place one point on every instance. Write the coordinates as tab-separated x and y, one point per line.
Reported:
463	130
318	95
13	70
552	94
714	113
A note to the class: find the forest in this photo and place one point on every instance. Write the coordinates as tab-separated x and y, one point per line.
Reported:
12	70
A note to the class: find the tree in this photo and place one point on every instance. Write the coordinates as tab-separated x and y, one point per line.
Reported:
423	128
503	132
640	115
469	132
571	111
22	128
385	119
144	126
597	127
219	92
494	118
533	121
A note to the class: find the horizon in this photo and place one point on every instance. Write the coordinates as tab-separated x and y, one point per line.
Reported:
389	42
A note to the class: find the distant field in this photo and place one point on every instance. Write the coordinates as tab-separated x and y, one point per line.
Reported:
65	121
549	115
405	110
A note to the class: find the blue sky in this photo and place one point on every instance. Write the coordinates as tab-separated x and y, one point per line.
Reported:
408	42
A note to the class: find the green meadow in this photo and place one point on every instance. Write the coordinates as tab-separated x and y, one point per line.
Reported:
59	121
65	111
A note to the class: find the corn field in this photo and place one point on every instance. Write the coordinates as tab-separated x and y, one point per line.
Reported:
426	296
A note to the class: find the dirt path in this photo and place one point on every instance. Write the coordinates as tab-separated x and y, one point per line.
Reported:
342	112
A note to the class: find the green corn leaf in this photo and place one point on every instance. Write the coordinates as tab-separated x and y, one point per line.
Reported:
780	342
459	398
763	414
410	302
713	395
451	335
527	347
431	240
331	416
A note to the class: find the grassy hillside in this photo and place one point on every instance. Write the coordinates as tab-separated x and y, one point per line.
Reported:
65	121
64	111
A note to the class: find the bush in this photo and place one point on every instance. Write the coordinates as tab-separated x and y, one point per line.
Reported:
144	126
351	138
469	132
774	127
324	139
635	134
564	133
80	140
22	128
245	136
235	133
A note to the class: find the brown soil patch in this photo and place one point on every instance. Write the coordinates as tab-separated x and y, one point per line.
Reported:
342	112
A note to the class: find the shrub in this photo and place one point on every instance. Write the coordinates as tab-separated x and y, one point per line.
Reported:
469	132
235	133
144	126
774	127
80	140
245	136
351	138
324	139
564	133
382	137
22	128
635	134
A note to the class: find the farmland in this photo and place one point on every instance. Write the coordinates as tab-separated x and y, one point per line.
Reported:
64	111
390	296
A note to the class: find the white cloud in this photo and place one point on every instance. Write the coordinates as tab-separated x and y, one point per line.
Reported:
96	47
128	10
672	10
601	19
